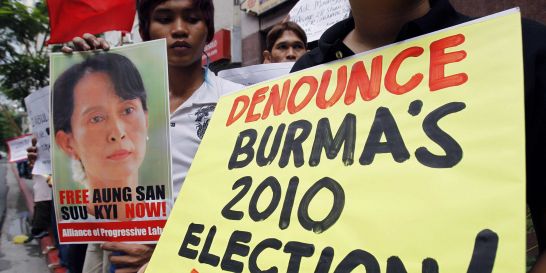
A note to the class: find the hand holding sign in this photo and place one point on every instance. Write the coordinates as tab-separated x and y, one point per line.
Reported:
32	153
134	255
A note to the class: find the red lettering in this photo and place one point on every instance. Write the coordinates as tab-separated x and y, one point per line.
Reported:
140	210
256	98
439	58
84	196
62	197
322	103
73	197
234	117
390	78
313	84
369	86
278	104
70	197
130	210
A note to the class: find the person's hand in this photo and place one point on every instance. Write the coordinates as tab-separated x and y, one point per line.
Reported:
135	256
32	153
86	42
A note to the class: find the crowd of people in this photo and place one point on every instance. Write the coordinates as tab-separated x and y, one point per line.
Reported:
188	25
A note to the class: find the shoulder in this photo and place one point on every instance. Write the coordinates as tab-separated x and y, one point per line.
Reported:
534	55
223	86
218	87
331	38
534	34
229	86
310	59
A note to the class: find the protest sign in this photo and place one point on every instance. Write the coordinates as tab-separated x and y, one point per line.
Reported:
17	147
37	105
315	16
249	75
110	144
260	6
408	158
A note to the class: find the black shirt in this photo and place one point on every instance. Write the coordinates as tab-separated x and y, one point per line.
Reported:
331	46
443	15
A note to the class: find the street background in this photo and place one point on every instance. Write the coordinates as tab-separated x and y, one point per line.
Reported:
24	258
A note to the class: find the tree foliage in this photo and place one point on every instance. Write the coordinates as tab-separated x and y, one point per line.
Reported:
23	51
9	125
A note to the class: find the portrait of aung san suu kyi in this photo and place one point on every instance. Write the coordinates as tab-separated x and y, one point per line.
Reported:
100	120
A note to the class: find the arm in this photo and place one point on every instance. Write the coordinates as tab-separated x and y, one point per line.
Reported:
136	255
32	153
540	265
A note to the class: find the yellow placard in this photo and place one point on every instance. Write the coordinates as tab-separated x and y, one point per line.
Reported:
409	158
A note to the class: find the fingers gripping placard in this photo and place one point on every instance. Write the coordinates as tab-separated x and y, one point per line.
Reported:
409	158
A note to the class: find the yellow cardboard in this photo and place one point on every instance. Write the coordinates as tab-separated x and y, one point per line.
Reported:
424	217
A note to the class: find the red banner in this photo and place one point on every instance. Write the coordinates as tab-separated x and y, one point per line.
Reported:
71	18
219	48
135	231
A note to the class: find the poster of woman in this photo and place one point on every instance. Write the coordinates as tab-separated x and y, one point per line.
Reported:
110	144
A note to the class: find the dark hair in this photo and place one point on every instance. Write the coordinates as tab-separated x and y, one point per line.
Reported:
123	74
145	8
277	31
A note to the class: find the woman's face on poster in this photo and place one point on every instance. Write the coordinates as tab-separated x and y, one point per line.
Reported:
108	133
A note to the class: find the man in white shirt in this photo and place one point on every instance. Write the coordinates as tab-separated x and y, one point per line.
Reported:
188	25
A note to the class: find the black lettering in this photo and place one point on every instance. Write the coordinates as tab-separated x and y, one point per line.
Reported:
288	203
111	195
261	158
126	195
65	215
236	248
190	239
485	252
77	212
96	196
430	266
293	143
415	107
113	211
395	265
253	258
337	207
297	250
156	192
83	212
205	257
325	260
356	258
247	149
106	211
227	212
98	212
140	196
384	123
324	140
454	152
275	187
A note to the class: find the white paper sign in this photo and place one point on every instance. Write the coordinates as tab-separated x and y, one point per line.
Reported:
315	16
17	147
253	74
38	113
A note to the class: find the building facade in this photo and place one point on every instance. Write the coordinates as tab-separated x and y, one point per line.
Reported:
248	22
